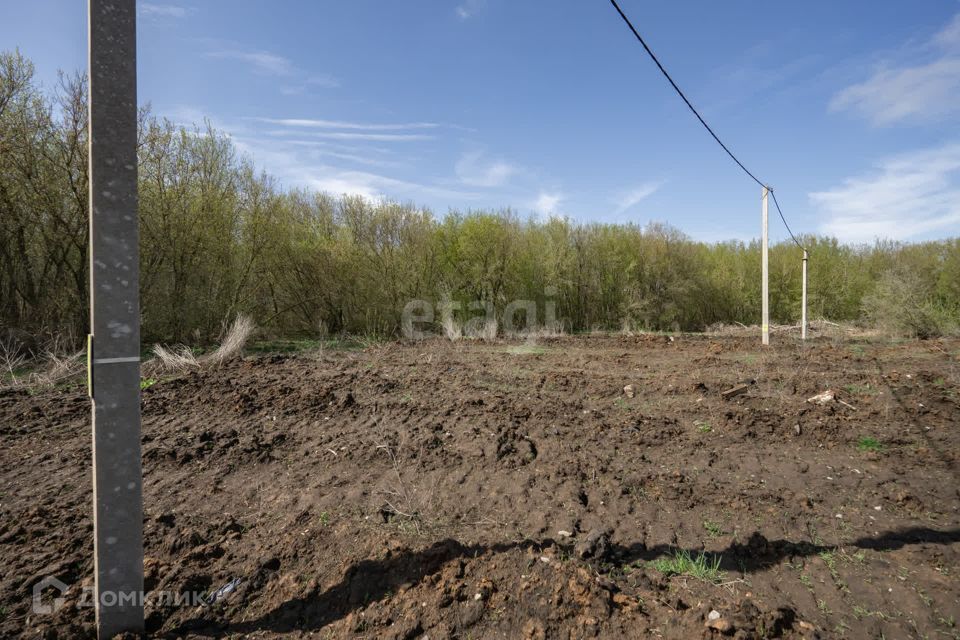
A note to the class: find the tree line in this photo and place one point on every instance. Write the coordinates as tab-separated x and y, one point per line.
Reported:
219	238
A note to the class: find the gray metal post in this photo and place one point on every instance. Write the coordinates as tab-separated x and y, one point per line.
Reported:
803	300
114	357
765	321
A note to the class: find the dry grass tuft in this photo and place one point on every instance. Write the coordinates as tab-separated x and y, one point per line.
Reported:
485	330
734	329
552	330
59	367
179	359
234	342
451	329
54	366
12	359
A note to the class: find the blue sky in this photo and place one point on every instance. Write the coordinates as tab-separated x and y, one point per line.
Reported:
849	109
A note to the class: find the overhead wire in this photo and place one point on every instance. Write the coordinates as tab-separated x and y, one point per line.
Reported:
693	109
777	204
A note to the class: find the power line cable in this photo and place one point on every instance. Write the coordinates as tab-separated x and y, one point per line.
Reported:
797	242
681	94
699	117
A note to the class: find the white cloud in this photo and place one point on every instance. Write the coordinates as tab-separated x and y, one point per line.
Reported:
470	8
906	196
472	169
164	10
636	195
921	91
546	203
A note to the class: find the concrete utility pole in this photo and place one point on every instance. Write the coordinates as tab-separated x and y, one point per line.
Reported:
114	343
803	300
765	321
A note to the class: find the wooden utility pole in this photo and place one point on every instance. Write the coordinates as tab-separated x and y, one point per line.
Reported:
803	300
765	321
114	342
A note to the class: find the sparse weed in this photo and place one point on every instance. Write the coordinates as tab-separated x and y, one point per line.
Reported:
830	560
862	612
869	443
713	528
860	390
682	563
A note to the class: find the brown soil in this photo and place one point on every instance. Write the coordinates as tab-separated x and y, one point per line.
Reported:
420	490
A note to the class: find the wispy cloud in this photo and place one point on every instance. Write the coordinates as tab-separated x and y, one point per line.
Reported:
262	62
327	166
296	81
322	81
547	203
353	135
475	170
316	150
164	10
922	90
373	185
340	124
470	8
949	36
636	195
906	196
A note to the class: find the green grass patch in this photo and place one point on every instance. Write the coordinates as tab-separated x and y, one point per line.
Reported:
869	443
703	427
860	390
682	563
146	383
713	528
526	349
